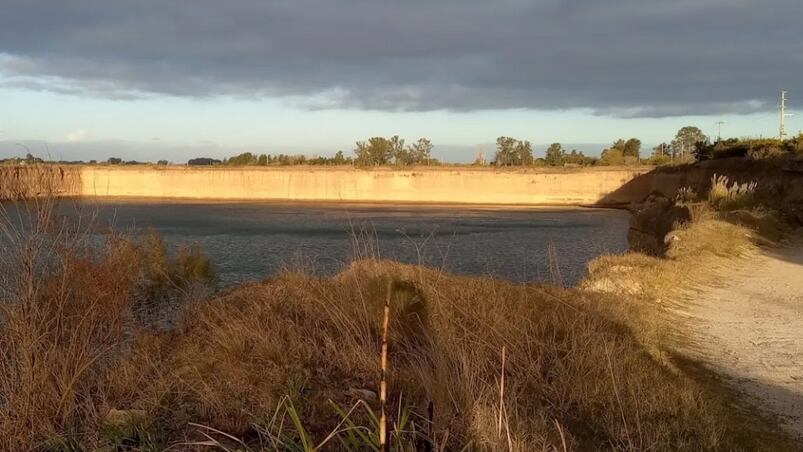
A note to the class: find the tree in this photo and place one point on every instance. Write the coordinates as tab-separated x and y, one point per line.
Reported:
246	158
162	163
576	158
632	148
555	155
505	151
524	153
612	156
421	151
339	159
115	161
621	152
660	154
263	160
686	141
510	151
398	151
376	151
203	161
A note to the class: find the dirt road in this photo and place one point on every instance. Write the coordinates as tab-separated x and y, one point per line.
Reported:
748	326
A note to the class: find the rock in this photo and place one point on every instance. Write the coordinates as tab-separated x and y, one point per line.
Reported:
617	285
652	221
125	420
364	394
116	417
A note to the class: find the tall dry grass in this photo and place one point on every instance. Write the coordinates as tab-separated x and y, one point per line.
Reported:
727	195
68	308
573	371
294	363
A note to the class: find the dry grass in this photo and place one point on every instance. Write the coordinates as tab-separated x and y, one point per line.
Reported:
31	181
572	372
697	251
727	195
693	248
68	316
276	365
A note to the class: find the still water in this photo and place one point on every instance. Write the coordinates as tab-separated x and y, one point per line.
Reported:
250	241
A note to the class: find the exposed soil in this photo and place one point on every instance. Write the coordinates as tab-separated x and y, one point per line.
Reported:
748	326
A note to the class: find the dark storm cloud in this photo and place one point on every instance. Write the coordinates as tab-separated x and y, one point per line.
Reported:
627	58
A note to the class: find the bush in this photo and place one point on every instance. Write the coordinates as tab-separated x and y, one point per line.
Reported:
569	361
756	149
725	195
68	321
686	195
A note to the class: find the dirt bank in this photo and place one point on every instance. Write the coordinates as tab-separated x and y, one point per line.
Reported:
780	181
429	185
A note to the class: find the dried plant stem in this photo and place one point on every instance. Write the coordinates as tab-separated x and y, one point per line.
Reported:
502	393
383	383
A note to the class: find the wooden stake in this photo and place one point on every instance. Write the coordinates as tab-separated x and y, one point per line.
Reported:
502	392
383	384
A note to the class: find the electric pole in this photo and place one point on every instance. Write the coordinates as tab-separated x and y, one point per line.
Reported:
719	130
782	131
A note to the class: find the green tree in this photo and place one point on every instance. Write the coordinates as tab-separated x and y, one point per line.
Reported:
505	150
375	152
263	160
612	156
555	155
576	158
398	151
686	141
421	151
660	154
244	159
632	148
524	153
339	158
510	151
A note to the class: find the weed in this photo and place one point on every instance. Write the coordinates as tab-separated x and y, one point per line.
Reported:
725	195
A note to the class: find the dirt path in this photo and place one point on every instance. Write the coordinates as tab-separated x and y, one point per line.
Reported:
749	328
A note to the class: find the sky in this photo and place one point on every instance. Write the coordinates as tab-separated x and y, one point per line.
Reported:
176	79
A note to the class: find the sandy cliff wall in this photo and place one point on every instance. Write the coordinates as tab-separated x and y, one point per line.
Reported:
442	185
29	181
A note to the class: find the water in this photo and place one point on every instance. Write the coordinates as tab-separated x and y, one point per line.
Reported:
250	241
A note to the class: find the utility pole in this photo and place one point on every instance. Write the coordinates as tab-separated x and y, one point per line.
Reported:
719	130
782	131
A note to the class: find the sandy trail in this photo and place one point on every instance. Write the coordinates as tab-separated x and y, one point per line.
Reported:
749	328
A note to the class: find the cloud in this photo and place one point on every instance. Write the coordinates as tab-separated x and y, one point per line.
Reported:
618	58
75	136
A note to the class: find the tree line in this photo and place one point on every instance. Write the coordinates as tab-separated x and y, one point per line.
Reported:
689	144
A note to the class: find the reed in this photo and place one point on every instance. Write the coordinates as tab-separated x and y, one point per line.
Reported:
727	195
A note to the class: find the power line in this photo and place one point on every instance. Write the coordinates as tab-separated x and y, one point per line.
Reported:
784	114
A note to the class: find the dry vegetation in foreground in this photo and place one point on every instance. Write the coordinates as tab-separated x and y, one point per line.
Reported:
693	247
293	363
729	221
732	221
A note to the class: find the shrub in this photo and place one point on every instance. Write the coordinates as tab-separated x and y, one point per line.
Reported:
725	195
68	321
686	195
